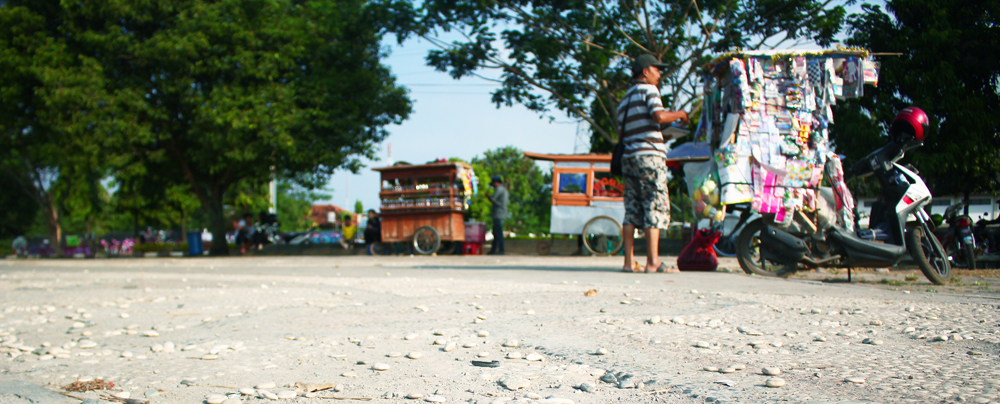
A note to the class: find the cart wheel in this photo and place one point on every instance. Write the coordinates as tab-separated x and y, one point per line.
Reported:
543	248
602	235
426	240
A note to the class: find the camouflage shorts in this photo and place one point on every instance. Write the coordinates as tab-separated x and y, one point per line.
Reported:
647	201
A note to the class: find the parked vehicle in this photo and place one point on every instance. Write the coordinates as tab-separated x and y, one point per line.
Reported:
958	239
266	230
891	233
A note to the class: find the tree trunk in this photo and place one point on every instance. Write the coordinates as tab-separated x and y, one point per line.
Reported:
55	231
184	233
218	225
965	200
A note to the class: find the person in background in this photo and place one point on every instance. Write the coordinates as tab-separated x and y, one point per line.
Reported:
500	199
20	246
373	231
349	231
647	201
244	229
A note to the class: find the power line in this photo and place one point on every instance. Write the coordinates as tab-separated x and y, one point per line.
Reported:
448	85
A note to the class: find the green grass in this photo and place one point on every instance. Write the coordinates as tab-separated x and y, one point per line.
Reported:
893	282
910	278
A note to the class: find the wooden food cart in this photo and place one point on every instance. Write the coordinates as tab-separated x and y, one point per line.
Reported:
586	200
425	204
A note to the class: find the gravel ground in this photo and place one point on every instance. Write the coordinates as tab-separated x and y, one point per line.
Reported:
195	330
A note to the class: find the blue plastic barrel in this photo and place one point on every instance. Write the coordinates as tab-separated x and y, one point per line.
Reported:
194	244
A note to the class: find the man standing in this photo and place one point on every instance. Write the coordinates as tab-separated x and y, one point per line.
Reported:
500	198
647	201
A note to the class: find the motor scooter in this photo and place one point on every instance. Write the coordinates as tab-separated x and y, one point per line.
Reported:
958	239
782	250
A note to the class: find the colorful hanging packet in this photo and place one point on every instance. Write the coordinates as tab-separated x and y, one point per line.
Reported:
853	78
845	201
741	86
871	68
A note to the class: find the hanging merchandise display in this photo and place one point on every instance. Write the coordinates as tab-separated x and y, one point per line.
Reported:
469	184
766	116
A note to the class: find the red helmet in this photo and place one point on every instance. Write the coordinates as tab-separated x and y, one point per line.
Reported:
911	121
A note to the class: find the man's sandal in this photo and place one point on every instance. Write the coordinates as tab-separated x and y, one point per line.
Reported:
663	268
635	268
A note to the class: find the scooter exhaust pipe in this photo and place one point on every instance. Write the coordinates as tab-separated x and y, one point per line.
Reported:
817	263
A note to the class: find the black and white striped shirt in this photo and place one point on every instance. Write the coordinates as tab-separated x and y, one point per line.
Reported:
642	135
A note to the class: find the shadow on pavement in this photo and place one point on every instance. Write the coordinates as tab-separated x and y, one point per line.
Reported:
549	268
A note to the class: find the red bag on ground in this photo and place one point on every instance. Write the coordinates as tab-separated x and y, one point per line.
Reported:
699	254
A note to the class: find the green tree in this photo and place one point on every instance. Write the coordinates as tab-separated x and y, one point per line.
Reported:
530	190
294	203
215	93
949	67
573	56
359	208
19	210
49	104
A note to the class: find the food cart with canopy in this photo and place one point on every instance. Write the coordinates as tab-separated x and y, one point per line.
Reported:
426	204
586	200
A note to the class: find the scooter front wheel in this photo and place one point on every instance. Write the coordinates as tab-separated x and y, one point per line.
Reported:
748	254
929	255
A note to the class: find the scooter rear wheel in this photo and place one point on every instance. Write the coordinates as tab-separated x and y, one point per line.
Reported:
929	255
970	256
748	254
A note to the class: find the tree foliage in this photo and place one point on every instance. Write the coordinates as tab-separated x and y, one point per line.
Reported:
530	190
949	67
294	203
198	93
48	106
574	55
19	211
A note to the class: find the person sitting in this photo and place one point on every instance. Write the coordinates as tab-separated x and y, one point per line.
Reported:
20	246
244	232
349	231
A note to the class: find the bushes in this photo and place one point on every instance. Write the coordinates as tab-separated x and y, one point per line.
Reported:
160	247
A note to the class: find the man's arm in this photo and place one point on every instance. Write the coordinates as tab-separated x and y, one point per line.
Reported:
670	116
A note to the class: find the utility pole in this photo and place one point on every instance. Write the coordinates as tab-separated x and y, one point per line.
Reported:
273	190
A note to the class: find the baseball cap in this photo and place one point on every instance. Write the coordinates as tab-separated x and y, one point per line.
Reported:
642	62
496	178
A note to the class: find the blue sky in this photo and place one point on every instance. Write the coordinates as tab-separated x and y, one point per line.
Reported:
451	118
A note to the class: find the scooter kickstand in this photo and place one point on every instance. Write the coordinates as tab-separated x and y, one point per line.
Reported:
849	274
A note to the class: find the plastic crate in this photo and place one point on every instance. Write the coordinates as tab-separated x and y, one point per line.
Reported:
475	232
472	248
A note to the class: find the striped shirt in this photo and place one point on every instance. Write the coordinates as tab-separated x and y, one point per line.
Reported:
642	135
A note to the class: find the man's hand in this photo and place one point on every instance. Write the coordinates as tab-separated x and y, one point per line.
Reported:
685	119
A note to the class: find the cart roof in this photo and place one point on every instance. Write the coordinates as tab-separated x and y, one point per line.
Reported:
782	53
583	158
403	167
